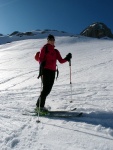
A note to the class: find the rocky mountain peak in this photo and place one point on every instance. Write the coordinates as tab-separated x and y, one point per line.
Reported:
97	30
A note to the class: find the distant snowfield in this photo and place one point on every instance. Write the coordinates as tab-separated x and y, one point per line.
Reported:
92	93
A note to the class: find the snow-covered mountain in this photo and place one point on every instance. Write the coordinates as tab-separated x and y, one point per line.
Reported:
17	36
91	93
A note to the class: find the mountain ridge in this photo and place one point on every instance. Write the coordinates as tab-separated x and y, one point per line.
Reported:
36	34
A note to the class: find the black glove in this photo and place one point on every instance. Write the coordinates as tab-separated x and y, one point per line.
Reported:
68	57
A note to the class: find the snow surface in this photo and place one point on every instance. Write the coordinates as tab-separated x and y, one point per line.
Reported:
91	93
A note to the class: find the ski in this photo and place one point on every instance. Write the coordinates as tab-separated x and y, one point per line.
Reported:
56	113
64	114
35	112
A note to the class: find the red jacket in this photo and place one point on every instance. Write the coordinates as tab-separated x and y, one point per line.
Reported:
50	55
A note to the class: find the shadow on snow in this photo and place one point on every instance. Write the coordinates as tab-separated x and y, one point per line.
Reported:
103	118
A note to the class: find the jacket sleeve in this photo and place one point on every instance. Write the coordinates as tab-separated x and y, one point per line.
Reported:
59	58
42	55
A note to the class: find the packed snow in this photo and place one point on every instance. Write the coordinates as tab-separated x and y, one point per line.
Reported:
91	92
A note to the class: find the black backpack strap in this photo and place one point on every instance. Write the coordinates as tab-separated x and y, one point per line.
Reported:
43	63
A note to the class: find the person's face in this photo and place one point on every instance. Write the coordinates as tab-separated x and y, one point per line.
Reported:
52	41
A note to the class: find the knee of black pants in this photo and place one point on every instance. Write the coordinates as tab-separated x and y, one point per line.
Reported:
45	92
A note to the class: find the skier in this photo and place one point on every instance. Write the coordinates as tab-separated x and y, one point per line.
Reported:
47	60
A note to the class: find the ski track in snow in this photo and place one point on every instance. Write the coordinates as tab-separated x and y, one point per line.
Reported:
92	87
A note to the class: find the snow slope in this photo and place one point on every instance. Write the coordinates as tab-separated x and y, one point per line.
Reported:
92	93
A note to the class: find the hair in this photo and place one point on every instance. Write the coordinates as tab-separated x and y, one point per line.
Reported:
50	37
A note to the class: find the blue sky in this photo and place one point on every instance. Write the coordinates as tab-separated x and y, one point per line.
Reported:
65	15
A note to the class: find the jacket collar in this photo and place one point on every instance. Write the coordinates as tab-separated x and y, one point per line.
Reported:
50	45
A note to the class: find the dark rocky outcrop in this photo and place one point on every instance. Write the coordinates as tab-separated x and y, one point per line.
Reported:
97	30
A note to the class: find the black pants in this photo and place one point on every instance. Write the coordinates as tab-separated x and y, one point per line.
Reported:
47	81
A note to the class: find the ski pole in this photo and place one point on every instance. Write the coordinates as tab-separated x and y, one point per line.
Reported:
38	121
70	80
70	71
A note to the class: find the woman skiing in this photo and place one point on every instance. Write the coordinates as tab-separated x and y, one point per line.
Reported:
47	60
